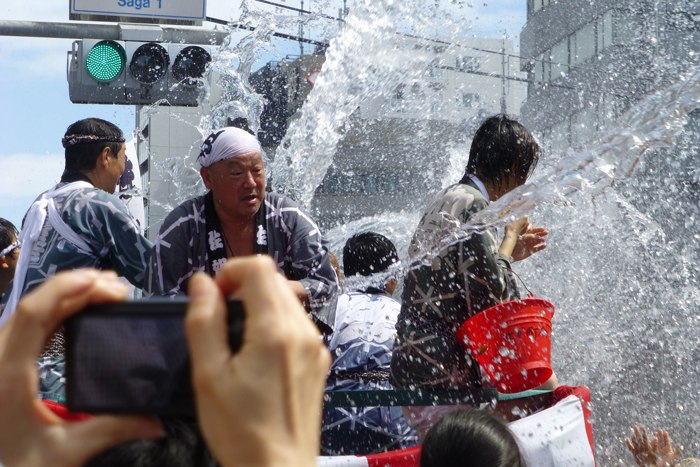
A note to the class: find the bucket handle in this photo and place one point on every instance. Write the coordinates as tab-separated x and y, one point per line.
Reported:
522	282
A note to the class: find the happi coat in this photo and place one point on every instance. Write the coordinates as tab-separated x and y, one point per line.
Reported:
462	277
361	350
191	240
110	239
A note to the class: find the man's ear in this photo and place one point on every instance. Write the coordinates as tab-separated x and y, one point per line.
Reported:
206	177
105	155
3	262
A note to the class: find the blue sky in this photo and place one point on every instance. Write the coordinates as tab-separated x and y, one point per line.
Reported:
34	92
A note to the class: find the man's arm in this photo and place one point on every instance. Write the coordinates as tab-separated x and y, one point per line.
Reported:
491	263
312	271
126	249
300	291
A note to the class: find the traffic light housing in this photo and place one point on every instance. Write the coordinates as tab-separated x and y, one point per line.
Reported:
136	73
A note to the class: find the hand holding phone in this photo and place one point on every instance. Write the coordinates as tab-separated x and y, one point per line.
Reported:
267	397
31	434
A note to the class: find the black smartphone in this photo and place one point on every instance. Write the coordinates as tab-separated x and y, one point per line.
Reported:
131	357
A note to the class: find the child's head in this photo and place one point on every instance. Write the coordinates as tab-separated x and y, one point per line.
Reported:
470	438
503	153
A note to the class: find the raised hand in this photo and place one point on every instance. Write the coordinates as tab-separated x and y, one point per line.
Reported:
657	452
533	240
32	435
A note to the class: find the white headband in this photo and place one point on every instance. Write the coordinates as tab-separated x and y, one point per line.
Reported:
226	143
10	248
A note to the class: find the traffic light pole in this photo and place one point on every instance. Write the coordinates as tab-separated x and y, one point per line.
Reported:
108	32
116	32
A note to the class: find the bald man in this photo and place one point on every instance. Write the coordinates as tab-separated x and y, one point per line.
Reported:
238	218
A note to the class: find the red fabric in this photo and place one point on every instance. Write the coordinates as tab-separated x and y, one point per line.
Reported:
62	411
584	395
402	458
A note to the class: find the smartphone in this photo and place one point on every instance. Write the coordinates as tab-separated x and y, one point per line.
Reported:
131	357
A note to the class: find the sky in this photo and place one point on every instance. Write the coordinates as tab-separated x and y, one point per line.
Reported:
36	109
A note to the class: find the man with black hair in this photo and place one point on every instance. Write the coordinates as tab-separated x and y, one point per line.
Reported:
361	350
9	253
460	276
79	222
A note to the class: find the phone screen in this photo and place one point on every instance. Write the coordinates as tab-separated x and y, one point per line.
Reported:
132	357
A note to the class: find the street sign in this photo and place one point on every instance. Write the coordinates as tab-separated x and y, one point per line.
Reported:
177	10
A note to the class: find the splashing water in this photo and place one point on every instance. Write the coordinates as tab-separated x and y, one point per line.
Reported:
621	267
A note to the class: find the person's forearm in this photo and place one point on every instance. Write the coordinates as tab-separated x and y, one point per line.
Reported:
299	291
508	244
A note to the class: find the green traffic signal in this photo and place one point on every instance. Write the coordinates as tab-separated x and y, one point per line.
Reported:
105	61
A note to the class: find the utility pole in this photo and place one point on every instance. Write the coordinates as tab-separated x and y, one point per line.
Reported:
504	107
301	29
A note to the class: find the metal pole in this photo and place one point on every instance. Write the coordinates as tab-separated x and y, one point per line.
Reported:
504	106
105	32
301	30
276	34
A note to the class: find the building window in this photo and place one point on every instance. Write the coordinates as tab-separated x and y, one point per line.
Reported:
539	69
627	27
470	99
539	4
468	63
370	184
396	100
560	59
585	43
434	72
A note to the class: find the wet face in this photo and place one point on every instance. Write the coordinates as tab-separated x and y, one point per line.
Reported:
238	185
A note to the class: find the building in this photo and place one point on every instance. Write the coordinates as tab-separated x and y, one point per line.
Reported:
588	62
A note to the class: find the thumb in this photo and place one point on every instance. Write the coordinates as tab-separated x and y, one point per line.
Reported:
86	439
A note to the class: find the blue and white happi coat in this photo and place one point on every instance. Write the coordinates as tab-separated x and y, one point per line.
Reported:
109	238
189	242
361	347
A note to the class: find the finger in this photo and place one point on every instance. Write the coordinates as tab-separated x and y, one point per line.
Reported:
83	440
206	328
637	435
256	280
41	311
645	436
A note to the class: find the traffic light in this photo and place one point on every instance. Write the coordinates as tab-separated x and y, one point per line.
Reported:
139	73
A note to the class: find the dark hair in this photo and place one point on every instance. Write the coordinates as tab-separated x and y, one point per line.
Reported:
182	446
83	156
502	148
368	253
470	438
8	231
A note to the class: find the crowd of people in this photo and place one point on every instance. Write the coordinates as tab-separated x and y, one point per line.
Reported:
263	404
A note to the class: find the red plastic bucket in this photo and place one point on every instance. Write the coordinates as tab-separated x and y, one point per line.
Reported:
512	343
